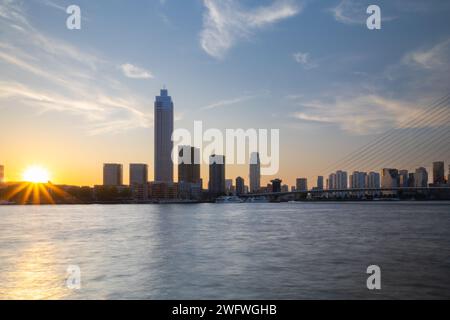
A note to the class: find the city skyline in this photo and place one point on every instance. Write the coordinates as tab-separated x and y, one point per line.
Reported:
83	100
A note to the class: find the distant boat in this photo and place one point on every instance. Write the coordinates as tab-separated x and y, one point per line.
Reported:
229	199
258	200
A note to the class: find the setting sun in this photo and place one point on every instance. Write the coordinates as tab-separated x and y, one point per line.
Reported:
36	174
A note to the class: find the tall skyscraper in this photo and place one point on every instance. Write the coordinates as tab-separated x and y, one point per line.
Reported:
188	164
240	186
112	174
163	137
139	181
255	172
421	178
302	184
216	175
320	182
2	174
438	172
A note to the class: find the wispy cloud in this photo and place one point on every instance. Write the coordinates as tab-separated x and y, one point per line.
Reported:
357	113
225	22
304	59
73	81
349	12
228	102
134	72
353	12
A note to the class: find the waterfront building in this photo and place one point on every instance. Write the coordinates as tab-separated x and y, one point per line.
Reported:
438	173
2	174
421	178
158	190
216	185
112	174
188	164
320	183
240	186
389	178
302	184
229	186
403	178
276	185
139	181
163	137
255	173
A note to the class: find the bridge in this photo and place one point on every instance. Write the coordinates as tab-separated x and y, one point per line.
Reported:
347	191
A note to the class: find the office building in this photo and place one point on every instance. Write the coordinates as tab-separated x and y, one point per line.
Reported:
139	181
255	172
421	178
438	173
240	186
389	178
216	185
2	174
357	180
411	180
403	178
112	174
188	164
341	180
276	185
373	180
319	183
163	137
229	186
302	184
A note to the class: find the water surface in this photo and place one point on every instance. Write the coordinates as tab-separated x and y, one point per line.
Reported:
228	251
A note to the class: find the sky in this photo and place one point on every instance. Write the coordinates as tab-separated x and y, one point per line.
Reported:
71	100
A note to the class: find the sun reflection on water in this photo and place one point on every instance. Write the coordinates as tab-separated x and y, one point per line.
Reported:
34	276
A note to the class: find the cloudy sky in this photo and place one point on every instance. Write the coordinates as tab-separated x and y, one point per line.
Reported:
73	99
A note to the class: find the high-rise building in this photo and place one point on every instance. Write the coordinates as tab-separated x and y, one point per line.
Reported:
188	164
2	174
240	186
112	174
302	184
163	137
320	182
403	178
421	178
341	180
411	180
389	178
332	182
138	173
276	185
255	172
438	172
357	180
448	177
139	181
216	175
373	180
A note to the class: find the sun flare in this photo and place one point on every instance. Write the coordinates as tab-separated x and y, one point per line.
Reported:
36	174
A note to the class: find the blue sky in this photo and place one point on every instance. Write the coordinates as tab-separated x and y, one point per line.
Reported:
74	99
